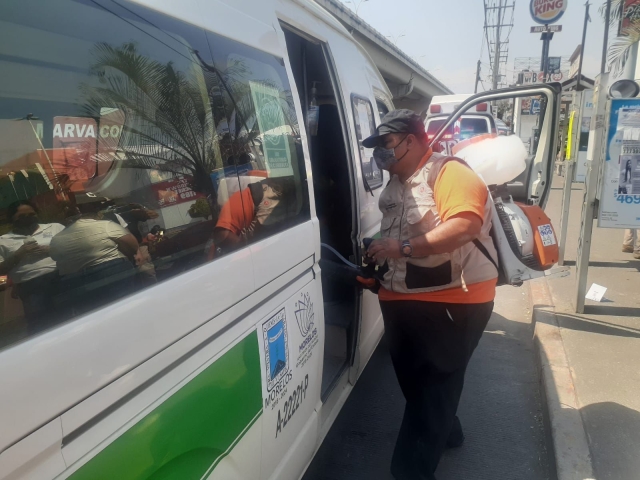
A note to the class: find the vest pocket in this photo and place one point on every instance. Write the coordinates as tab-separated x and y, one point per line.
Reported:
427	277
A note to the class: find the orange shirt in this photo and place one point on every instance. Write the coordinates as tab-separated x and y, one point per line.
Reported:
458	189
237	213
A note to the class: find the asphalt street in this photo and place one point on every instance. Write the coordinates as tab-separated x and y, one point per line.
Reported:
500	410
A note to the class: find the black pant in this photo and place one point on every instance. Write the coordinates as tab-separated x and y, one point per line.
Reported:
430	345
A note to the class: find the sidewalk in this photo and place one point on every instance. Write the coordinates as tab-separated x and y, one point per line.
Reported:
590	363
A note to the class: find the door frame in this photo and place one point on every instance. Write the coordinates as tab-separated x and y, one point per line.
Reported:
546	160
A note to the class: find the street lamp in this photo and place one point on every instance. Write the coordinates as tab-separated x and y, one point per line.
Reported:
356	4
395	38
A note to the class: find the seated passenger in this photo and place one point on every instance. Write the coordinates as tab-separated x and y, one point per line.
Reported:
250	212
24	257
95	259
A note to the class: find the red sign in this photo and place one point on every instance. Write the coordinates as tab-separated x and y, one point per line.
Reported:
74	145
84	149
109	133
630	16
175	191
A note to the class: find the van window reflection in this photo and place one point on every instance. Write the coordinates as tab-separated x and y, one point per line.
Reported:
132	138
25	259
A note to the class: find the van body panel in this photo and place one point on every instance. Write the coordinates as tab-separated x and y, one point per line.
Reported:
140	326
121	387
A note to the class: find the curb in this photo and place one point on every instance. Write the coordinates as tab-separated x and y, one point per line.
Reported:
568	437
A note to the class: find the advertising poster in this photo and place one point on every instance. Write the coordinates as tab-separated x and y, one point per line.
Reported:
174	191
274	129
630	16
553	64
620	188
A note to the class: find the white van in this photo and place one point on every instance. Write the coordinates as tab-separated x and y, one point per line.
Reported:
194	156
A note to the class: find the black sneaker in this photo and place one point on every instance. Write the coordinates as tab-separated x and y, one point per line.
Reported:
456	436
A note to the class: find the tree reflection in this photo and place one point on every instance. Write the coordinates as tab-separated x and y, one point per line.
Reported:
168	120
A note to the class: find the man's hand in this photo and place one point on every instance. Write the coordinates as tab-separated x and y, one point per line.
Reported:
384	248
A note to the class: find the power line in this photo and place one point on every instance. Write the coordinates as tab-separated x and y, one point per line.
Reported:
498	25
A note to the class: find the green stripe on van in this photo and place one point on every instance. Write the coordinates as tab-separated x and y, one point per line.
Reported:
188	434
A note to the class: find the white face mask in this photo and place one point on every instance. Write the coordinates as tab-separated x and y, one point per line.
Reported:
385	158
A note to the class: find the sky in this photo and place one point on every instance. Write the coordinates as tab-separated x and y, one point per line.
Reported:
445	37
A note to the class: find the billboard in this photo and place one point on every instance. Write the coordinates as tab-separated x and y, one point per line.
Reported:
620	187
525	78
630	16
547	11
554	65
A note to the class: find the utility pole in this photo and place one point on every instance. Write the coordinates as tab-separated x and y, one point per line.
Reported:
496	56
587	19
605	42
496	31
475	90
546	37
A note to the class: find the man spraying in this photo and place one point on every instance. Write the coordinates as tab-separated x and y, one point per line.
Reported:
437	293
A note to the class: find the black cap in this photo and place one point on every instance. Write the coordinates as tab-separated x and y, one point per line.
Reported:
396	121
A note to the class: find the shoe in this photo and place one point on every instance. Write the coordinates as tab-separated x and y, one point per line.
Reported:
455	442
627	249
636	255
456	436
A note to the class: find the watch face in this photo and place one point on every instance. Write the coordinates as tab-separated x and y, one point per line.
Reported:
406	249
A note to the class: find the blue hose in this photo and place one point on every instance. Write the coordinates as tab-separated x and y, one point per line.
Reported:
344	260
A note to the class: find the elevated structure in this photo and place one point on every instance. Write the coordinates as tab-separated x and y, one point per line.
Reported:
411	85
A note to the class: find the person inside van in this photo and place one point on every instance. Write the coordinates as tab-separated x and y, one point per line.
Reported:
95	259
252	211
437	294
24	257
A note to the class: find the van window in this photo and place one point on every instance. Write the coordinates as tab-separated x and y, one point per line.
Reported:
128	155
365	126
464	128
382	108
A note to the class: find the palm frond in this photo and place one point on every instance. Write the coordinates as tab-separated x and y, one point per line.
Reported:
620	48
616	11
169	123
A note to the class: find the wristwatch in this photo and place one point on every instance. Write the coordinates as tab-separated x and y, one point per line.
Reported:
406	249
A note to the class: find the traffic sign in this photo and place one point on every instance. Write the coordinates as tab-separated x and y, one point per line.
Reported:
542	28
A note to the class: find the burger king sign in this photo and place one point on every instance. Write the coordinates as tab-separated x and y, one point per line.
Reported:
547	11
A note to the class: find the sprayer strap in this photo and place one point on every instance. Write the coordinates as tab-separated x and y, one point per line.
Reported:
485	252
440	161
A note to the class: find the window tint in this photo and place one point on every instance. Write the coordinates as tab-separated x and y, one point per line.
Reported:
365	126
129	155
464	128
470	127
